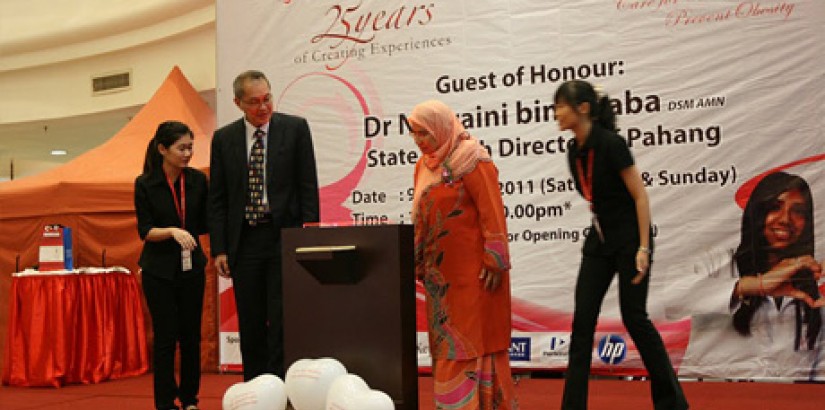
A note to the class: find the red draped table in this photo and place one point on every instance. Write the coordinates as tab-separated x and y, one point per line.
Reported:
81	326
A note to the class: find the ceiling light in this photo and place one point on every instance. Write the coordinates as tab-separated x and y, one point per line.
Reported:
59	152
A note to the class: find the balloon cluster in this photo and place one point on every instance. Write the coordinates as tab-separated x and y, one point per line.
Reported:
311	384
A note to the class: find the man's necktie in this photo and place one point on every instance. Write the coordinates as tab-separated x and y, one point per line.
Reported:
255	205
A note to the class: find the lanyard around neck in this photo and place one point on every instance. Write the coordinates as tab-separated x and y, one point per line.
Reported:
586	180
180	205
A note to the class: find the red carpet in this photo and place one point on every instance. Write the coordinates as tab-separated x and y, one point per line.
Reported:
534	394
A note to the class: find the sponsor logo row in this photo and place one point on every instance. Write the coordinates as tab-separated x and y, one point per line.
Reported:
610	349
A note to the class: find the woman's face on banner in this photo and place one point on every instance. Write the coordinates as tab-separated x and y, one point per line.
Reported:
785	219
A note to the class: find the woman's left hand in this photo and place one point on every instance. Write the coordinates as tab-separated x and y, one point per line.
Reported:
786	289
642	264
778	280
490	280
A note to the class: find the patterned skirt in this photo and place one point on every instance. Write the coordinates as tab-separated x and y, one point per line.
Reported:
482	383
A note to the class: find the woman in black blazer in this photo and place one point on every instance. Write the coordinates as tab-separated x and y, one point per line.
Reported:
170	202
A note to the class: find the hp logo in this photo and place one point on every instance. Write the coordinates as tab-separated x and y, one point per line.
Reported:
612	349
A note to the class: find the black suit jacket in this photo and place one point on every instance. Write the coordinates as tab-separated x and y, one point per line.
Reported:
155	208
291	180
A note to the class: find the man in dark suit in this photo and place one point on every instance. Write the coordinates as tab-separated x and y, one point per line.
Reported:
263	178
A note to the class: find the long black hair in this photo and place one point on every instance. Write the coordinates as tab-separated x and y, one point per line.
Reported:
167	134
576	92
752	254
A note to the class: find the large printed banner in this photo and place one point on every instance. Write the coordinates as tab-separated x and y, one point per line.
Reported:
711	97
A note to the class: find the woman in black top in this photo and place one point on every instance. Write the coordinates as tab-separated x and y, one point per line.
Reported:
170	202
619	241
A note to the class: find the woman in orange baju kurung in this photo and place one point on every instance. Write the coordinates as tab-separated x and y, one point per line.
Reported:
462	258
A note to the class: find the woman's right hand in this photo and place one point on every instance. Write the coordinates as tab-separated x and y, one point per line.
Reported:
185	239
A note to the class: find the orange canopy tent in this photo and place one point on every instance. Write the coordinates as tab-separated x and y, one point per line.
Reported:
93	194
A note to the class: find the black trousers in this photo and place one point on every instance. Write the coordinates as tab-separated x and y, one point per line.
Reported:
176	307
595	275
256	278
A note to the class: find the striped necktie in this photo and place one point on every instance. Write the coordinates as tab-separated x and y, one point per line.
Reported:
255	208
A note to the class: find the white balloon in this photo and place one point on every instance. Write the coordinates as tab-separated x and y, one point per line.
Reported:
350	392
265	392
308	380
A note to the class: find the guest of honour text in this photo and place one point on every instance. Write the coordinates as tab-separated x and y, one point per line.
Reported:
537	111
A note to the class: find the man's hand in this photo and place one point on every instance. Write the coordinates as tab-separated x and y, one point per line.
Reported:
222	265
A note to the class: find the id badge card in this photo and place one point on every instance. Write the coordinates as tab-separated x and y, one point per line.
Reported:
597	227
186	260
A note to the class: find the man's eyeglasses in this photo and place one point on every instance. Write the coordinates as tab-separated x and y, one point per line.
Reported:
255	102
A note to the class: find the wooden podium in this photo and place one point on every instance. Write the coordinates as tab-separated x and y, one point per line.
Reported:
349	294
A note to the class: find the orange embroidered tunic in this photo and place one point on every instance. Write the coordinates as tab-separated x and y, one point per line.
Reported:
460	229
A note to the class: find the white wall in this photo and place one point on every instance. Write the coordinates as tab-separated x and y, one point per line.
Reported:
49	52
64	89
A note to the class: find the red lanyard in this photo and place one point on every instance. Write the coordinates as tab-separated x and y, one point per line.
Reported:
586	180
180	206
